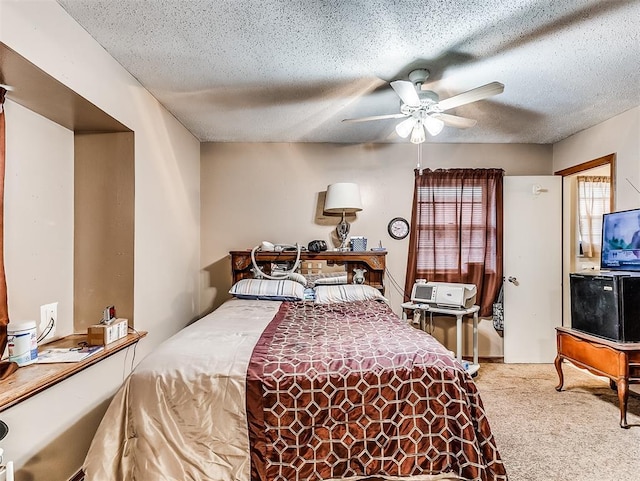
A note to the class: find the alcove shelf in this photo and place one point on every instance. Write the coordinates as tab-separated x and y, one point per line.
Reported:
29	380
104	191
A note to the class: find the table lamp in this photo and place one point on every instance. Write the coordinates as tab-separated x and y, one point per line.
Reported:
343	197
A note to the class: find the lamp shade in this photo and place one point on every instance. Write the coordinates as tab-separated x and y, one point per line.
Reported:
404	128
343	197
417	134
434	125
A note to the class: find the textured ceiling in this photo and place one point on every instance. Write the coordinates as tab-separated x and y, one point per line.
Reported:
290	71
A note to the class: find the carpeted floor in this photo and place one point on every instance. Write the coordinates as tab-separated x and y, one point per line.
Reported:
573	435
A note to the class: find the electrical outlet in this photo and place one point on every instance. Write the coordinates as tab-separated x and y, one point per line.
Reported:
48	322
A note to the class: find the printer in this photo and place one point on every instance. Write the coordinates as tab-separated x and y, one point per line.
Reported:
444	294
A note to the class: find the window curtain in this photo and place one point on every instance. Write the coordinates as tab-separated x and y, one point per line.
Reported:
456	233
593	201
6	368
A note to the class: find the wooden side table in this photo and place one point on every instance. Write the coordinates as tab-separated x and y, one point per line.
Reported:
619	361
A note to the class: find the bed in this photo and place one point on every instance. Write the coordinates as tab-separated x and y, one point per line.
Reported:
274	389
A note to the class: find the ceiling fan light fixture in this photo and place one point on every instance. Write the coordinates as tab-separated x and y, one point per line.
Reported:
417	134
404	128
433	125
422	108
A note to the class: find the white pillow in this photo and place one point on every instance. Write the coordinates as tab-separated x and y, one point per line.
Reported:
267	289
347	293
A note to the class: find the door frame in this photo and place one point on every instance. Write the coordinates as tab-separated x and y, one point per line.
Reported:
591	164
609	160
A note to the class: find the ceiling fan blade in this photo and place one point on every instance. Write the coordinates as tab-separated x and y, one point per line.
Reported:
407	92
375	117
456	121
473	95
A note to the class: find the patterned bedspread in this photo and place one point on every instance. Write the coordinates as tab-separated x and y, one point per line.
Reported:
344	391
349	390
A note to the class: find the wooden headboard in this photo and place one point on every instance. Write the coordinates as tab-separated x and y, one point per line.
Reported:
372	261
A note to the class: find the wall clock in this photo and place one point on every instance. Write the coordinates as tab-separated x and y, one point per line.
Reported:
398	228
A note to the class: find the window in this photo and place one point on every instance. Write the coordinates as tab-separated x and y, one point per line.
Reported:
457	230
453	225
593	201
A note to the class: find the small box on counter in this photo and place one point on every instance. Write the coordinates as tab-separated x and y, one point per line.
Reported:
358	243
103	334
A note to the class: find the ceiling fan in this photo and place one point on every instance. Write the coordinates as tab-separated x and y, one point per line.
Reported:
422	109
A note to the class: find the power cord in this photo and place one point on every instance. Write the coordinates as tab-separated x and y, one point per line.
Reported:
133	358
399	289
47	330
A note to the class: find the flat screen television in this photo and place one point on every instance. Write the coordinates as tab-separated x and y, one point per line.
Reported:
621	241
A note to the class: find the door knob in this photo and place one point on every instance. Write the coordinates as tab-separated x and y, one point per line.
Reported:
513	280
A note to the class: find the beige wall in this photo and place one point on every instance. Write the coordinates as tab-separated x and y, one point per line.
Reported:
50	432
103	227
255	192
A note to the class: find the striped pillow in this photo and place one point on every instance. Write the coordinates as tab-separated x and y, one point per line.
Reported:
267	289
347	293
332	281
332	278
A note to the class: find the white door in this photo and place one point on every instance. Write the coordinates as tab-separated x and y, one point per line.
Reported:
532	267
